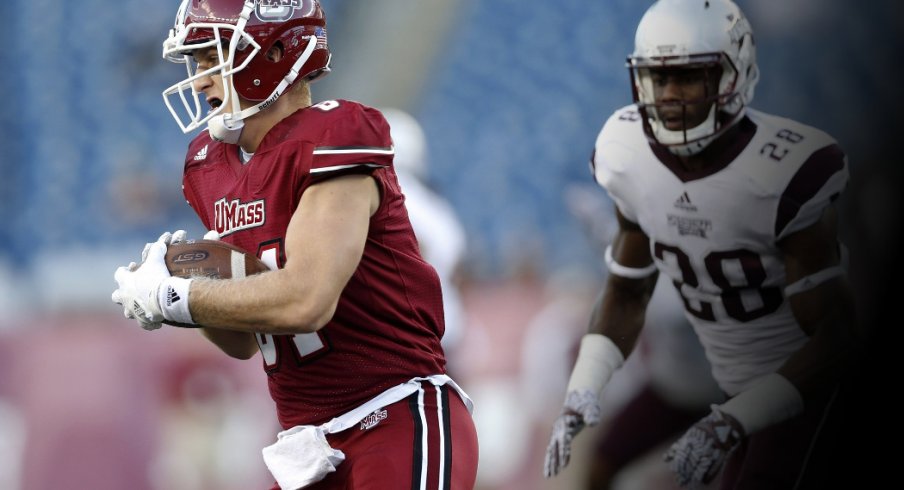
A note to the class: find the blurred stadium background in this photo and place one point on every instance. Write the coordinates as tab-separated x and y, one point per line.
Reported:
511	95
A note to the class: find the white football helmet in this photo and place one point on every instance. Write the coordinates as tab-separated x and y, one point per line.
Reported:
243	31
710	34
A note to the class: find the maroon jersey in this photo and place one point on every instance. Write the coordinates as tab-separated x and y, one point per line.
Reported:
389	320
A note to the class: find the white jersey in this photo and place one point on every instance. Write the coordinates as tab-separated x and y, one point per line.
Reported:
715	232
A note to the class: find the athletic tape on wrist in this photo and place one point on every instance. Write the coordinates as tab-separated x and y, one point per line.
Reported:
598	358
771	400
172	296
625	271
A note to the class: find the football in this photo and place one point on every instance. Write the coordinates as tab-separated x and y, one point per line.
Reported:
211	258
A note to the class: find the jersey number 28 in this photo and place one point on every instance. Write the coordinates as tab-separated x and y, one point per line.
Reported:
716	263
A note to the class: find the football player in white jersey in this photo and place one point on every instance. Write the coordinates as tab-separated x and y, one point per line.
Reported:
736	208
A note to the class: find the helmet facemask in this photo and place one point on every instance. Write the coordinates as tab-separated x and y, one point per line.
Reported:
185	40
697	120
236	48
682	34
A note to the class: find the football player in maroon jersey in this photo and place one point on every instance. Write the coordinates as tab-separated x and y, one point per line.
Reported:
349	319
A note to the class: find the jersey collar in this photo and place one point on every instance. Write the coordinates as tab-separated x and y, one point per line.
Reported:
720	153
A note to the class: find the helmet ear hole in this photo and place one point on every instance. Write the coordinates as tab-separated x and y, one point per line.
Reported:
275	53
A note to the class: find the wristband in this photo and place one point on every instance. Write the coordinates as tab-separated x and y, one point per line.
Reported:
172	296
771	399
598	358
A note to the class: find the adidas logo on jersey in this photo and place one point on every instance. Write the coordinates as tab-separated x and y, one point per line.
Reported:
171	296
684	202
201	155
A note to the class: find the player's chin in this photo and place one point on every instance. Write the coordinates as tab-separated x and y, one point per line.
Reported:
676	124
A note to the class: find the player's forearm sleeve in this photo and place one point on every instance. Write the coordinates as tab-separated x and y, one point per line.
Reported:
598	358
770	400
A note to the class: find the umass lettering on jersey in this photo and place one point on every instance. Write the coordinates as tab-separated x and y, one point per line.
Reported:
234	215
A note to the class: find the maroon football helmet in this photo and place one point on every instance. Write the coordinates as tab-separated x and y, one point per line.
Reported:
243	31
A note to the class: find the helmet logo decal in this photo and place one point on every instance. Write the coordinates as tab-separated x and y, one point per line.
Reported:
276	10
738	30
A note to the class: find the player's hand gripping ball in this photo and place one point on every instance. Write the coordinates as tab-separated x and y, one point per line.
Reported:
209	258
146	291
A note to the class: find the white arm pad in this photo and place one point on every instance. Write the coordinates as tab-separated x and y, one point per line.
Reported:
598	358
772	399
625	271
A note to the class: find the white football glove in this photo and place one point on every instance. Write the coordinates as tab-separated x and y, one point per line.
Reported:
147	292
212	235
597	359
699	454
581	409
167	238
